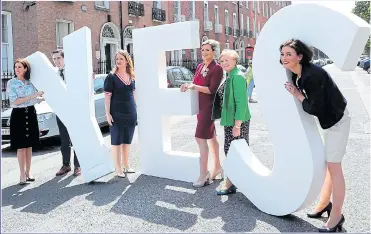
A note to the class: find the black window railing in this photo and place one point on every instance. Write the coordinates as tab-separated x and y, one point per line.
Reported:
158	14
135	8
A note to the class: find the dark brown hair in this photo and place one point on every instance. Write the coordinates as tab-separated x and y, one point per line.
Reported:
58	51
301	49
26	64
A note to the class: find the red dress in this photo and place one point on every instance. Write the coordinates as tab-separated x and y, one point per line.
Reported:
205	125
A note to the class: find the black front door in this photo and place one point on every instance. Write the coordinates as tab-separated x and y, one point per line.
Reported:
107	51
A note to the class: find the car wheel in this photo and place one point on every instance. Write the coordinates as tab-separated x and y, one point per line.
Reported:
52	141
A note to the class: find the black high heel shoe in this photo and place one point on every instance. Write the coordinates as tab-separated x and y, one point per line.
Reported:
338	227
230	190
319	214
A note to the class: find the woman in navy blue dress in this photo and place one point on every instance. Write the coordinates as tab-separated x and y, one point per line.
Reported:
121	111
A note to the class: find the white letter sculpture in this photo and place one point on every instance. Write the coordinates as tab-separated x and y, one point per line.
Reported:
156	103
299	159
73	102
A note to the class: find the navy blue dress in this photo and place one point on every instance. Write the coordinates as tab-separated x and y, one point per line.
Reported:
123	109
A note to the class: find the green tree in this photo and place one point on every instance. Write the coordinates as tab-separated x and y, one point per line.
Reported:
362	9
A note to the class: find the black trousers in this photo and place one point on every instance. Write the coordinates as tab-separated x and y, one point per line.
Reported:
66	145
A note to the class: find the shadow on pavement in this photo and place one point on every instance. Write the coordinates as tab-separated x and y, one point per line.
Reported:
50	195
151	199
11	153
47	146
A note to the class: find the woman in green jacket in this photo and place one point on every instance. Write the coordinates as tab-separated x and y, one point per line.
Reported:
231	106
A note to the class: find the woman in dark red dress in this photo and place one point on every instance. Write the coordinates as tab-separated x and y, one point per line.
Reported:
206	81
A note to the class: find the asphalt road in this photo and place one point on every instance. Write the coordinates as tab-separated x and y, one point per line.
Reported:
142	203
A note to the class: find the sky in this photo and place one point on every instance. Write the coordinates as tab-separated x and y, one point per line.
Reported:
344	6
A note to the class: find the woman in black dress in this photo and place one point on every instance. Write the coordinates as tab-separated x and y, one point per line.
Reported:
121	110
24	128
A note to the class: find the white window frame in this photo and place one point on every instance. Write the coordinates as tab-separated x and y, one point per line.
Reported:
216	12
177	14
206	11
258	5
10	55
234	21
105	3
177	55
158	4
254	6
226	19
247	4
194	54
254	25
56	30
263	6
248	25
193	11
242	24
226	45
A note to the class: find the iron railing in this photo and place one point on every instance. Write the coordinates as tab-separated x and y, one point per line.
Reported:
5	77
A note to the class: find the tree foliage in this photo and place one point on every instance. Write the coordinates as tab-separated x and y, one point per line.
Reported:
362	9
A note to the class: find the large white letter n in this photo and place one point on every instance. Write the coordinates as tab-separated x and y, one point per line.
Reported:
156	103
72	102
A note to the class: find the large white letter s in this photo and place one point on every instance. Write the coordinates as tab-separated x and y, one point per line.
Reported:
299	158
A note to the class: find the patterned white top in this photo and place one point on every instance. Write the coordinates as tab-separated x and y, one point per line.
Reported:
18	89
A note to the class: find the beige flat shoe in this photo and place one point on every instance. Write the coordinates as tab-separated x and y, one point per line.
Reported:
128	170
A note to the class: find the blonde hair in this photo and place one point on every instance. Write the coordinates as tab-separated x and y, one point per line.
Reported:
129	65
215	46
231	53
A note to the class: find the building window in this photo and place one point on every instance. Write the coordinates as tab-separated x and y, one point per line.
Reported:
254	25
216	10
6	42
263	6
254	6
234	21
206	11
226	18
227	46
247	4
258	3
194	54
157	4
177	55
242	26
271	11
176	11
63	29
248	26
102	4
192	12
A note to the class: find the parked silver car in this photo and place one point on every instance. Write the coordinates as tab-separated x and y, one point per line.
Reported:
47	118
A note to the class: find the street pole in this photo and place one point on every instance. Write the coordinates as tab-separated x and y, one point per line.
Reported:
121	29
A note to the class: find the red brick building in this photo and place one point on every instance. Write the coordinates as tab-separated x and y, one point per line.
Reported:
235	24
30	26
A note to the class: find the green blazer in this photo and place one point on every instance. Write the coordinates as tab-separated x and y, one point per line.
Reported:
235	104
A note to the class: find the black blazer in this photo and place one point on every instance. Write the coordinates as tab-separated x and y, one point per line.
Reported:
323	98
